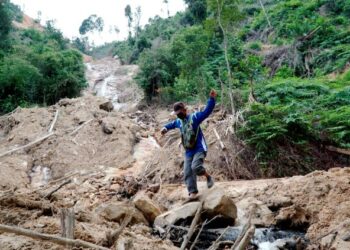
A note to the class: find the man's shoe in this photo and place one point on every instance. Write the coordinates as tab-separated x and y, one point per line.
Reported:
210	182
193	196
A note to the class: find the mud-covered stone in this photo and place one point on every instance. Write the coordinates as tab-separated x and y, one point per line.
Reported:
148	207
107	106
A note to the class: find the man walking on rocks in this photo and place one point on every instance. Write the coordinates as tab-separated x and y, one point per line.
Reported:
193	142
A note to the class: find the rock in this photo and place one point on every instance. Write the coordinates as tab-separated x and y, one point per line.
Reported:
154	188
107	106
117	211
263	216
148	208
108	125
217	203
65	102
182	212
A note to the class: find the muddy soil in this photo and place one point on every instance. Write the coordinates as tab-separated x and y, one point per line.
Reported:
108	157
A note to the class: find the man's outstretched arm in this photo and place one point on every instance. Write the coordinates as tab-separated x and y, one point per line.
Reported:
169	126
202	115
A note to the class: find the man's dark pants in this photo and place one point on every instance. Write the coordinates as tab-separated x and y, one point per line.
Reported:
193	167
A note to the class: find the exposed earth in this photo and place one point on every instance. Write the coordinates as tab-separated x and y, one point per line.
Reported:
106	148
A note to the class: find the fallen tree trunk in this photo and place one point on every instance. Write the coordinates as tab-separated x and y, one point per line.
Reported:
51	238
26	146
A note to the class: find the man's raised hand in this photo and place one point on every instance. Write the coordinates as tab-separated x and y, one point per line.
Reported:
213	93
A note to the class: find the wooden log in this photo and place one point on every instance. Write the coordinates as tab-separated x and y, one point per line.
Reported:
53	122
242	245
222	145
27	145
193	226
22	202
48	237
67	223
339	150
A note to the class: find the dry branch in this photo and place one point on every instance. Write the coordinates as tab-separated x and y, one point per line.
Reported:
56	189
339	150
113	237
246	230
216	244
242	245
219	139
26	146
192	227
199	233
53	122
80	127
51	238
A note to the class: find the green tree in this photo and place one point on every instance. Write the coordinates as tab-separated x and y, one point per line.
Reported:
226	14
5	24
91	24
19	83
128	15
197	11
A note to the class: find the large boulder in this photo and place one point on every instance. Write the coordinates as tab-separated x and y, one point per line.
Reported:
217	203
148	207
107	106
174	215
117	211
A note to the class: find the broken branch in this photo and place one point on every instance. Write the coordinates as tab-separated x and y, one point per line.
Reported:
56	189
27	146
53	122
219	139
199	233
80	127
51	238
113	237
192	227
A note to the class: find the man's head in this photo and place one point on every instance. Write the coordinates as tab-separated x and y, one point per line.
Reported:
180	110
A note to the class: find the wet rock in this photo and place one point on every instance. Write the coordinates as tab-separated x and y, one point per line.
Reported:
117	211
148	207
107	106
217	203
176	214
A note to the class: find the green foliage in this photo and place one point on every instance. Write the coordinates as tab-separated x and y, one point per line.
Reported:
90	24
39	69
196	11
5	24
19	83
294	111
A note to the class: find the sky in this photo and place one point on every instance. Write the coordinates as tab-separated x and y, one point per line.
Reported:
69	14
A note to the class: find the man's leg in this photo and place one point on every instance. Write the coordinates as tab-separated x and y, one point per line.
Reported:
190	176
198	168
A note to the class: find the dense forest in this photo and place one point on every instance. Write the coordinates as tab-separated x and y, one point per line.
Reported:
36	66
282	67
